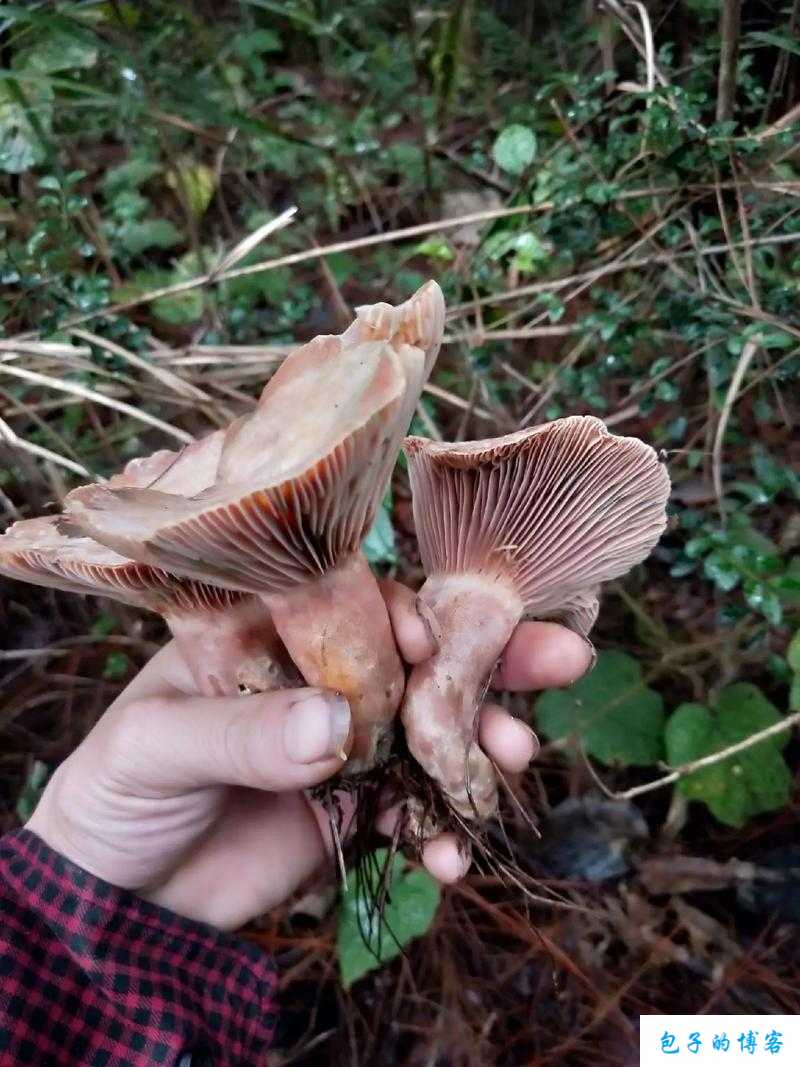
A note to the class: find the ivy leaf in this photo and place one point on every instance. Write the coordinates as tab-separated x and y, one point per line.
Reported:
742	785
616	716
365	939
515	149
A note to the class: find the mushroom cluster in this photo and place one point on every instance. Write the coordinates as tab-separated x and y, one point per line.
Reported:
248	541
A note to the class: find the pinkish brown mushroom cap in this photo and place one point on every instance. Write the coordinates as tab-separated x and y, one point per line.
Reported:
227	638
555	510
40	551
187	471
296	483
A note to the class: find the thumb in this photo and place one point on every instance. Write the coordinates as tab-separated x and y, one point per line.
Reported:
282	740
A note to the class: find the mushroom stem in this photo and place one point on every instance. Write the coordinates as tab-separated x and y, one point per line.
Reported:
337	631
476	615
231	648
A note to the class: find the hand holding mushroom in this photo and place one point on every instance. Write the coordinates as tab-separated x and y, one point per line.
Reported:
248	542
201	804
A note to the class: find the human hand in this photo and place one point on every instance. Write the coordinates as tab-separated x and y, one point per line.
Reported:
199	804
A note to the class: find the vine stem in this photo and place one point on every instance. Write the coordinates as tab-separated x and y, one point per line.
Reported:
698	764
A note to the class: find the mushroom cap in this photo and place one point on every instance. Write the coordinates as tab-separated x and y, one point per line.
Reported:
187	471
556	509
43	552
297	482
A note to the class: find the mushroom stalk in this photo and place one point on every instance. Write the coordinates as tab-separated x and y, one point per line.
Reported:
476	615
232	648
337	631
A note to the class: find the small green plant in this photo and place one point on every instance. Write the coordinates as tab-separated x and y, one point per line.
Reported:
747	783
737	555
616	716
515	149
370	935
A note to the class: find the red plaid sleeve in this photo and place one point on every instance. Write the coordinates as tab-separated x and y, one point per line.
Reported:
91	974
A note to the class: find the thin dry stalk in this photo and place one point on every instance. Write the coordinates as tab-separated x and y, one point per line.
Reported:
82	391
615	267
729	23
745	359
217	275
166	377
10	438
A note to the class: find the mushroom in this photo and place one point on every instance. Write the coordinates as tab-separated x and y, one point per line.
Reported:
526	524
296	488
226	638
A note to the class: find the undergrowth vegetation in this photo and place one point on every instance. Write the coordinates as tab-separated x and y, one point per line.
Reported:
608	196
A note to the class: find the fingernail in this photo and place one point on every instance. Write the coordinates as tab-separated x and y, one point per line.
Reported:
317	728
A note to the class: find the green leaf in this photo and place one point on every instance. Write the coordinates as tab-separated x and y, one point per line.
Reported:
180	309
745	784
616	716
436	247
60	51
195	183
129	175
777	40
256	42
515	149
379	544
793	653
365	939
21	146
761	598
723	573
105	623
137	236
